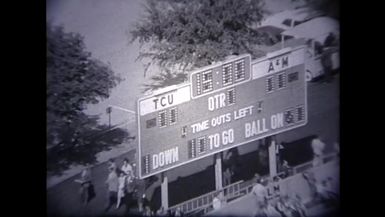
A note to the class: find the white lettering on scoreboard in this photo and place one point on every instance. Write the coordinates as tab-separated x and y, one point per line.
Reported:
252	129
283	61
217	101
175	128
165	158
222	119
165	100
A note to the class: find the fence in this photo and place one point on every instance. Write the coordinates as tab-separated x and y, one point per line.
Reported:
203	204
204	201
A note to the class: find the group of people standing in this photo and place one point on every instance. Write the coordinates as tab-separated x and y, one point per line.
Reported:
120	183
282	206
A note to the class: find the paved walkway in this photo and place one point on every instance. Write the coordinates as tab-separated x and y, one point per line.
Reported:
101	158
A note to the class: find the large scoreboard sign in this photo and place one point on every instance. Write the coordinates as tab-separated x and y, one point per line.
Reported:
224	105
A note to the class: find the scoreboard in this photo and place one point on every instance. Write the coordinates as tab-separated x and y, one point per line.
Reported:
223	106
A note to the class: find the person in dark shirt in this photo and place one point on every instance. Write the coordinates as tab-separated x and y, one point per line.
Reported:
318	48
326	58
227	177
286	169
330	40
327	64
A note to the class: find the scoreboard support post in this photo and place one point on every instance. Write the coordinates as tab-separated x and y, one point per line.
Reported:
164	190
218	171
272	157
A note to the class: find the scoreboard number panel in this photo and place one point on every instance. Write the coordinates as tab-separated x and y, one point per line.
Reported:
224	105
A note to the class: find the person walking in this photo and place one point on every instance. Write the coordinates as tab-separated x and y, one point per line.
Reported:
85	186
113	186
260	192
121	189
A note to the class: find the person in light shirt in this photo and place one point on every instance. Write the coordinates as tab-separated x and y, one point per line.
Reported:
217	201
127	168
259	191
121	188
128	175
318	148
113	186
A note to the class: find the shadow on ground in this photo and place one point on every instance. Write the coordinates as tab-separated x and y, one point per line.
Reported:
60	159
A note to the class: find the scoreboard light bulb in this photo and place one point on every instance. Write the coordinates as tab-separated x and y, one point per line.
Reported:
260	106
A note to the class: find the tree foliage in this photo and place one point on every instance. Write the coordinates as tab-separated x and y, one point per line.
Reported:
74	79
182	34
164	79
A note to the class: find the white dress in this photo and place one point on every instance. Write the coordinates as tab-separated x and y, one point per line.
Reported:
122	182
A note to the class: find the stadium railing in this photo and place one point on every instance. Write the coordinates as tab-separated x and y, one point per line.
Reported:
200	205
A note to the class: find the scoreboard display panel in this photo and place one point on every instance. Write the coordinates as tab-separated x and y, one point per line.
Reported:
224	105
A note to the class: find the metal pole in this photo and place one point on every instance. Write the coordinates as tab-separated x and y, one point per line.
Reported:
282	41
272	157
109	120
123	109
218	171
164	191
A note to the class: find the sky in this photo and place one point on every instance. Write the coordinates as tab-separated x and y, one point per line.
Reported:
104	25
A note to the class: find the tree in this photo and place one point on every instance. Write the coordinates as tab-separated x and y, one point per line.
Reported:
182	35
165	79
74	79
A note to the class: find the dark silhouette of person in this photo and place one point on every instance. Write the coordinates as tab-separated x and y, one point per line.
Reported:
318	48
330	40
326	58
327	64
